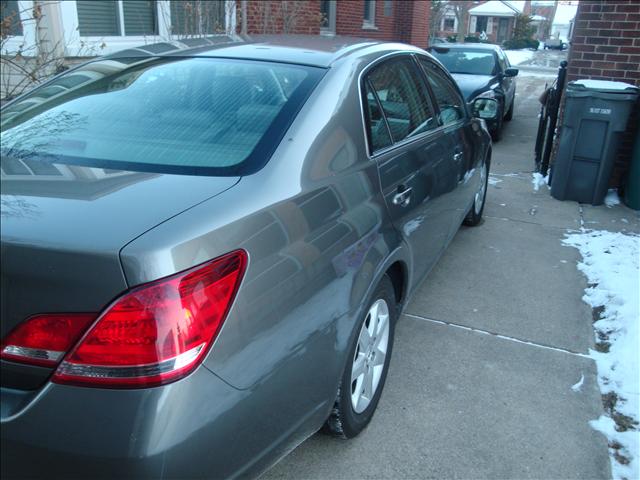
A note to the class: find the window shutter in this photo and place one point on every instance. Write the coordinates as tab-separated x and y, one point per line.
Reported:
472	24
98	18
139	17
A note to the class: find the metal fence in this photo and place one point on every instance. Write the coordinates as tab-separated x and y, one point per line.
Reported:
548	120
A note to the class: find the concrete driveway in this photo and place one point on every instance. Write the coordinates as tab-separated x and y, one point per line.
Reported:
488	349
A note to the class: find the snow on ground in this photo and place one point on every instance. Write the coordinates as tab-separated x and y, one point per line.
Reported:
516	57
611	263
537	73
612	199
493	180
538	180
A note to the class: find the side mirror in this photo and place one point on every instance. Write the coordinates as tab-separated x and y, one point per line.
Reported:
486	108
511	72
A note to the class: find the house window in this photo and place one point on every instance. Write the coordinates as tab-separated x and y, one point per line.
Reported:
369	13
449	24
328	16
388	7
139	17
10	19
481	24
197	17
111	18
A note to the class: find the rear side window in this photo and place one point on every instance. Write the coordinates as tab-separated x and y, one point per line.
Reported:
403	96
378	130
180	115
449	101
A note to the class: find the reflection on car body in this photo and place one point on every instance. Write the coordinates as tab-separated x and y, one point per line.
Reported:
210	245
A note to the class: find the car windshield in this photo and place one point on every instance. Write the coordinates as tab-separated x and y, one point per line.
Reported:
178	115
472	62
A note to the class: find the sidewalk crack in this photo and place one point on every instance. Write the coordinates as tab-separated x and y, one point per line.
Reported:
498	335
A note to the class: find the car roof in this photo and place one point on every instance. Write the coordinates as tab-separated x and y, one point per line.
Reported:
314	50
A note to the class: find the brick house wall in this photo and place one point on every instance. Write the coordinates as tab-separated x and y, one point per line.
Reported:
395	20
303	17
606	46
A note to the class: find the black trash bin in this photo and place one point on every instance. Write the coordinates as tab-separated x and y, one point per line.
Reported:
595	116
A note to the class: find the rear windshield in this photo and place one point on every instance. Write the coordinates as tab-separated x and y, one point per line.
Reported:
472	62
177	115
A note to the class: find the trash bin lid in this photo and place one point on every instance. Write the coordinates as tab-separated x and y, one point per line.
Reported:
606	86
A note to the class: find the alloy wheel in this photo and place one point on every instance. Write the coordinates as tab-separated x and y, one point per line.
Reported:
369	357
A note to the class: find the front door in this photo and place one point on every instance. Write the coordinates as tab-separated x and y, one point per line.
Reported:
503	26
454	119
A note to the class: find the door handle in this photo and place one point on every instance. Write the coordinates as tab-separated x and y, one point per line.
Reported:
403	197
457	156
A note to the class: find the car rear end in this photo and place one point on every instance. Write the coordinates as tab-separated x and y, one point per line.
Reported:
102	377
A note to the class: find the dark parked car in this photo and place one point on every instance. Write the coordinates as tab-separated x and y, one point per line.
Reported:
205	250
482	71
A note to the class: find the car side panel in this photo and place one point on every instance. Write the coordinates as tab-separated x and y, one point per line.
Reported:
317	233
424	165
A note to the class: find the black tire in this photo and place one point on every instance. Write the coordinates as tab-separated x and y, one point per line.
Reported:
474	218
509	116
343	421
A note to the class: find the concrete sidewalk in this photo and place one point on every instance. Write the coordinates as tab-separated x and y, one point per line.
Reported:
489	347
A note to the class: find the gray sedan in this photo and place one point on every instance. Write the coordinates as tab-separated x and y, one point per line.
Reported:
205	250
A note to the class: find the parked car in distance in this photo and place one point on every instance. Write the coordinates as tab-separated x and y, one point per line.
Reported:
482	71
205	250
556	43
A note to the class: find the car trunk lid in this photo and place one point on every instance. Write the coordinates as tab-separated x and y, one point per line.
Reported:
62	234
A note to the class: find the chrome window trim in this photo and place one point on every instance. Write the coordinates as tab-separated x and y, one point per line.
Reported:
446	73
372	155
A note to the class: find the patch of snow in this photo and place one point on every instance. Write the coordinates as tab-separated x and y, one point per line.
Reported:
493	180
578	386
628	446
499	8
604	84
612	199
538	180
516	57
611	263
537	73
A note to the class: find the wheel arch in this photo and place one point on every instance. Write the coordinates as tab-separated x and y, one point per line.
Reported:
399	275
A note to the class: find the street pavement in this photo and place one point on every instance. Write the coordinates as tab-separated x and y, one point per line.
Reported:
489	347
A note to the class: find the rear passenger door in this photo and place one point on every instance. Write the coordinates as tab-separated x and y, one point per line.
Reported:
413	154
456	125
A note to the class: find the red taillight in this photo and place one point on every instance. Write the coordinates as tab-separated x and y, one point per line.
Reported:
152	335
158	332
44	339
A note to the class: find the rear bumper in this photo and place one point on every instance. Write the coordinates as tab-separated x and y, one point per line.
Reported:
197	427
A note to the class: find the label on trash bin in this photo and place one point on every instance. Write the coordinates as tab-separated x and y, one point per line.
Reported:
602	111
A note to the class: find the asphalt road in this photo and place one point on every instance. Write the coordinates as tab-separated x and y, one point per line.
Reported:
489	347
